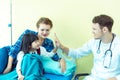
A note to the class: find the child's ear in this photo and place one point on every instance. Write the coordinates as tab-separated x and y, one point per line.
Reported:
29	47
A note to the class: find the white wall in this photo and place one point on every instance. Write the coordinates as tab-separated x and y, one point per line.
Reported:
5	31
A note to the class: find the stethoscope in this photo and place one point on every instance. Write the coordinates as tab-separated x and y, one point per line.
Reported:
107	63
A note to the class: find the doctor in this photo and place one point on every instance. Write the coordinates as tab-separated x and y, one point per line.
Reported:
105	47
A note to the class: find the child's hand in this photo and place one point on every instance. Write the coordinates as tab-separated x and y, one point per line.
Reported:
62	65
20	77
57	42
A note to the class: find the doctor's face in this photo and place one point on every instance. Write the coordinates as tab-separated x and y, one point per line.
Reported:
97	31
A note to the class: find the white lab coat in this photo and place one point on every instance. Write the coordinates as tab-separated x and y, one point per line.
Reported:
99	72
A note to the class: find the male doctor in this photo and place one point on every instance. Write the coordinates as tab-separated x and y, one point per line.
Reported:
105	47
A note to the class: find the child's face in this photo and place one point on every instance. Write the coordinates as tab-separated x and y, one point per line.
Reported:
36	44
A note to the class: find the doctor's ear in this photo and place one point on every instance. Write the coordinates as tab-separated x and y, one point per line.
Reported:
105	29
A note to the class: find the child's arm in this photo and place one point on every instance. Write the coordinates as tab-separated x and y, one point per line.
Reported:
43	52
18	67
62	61
58	44
55	50
20	76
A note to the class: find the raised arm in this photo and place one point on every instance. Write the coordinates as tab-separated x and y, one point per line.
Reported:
60	45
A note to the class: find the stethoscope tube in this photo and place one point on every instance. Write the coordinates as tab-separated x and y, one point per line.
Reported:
106	52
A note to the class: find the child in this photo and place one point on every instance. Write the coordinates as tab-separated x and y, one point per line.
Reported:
29	45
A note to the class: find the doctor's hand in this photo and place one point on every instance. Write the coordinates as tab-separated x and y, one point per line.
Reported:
62	65
113	78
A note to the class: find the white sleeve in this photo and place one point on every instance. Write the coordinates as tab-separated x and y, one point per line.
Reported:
19	58
45	53
82	51
118	77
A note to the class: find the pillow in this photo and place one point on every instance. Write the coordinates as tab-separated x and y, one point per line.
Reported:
51	66
3	58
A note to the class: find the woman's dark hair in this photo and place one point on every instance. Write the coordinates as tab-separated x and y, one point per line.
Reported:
27	41
104	20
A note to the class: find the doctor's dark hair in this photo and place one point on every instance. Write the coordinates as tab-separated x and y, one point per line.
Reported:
27	42
104	20
44	20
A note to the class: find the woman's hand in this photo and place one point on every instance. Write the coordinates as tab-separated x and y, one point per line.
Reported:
9	65
8	69
62	65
